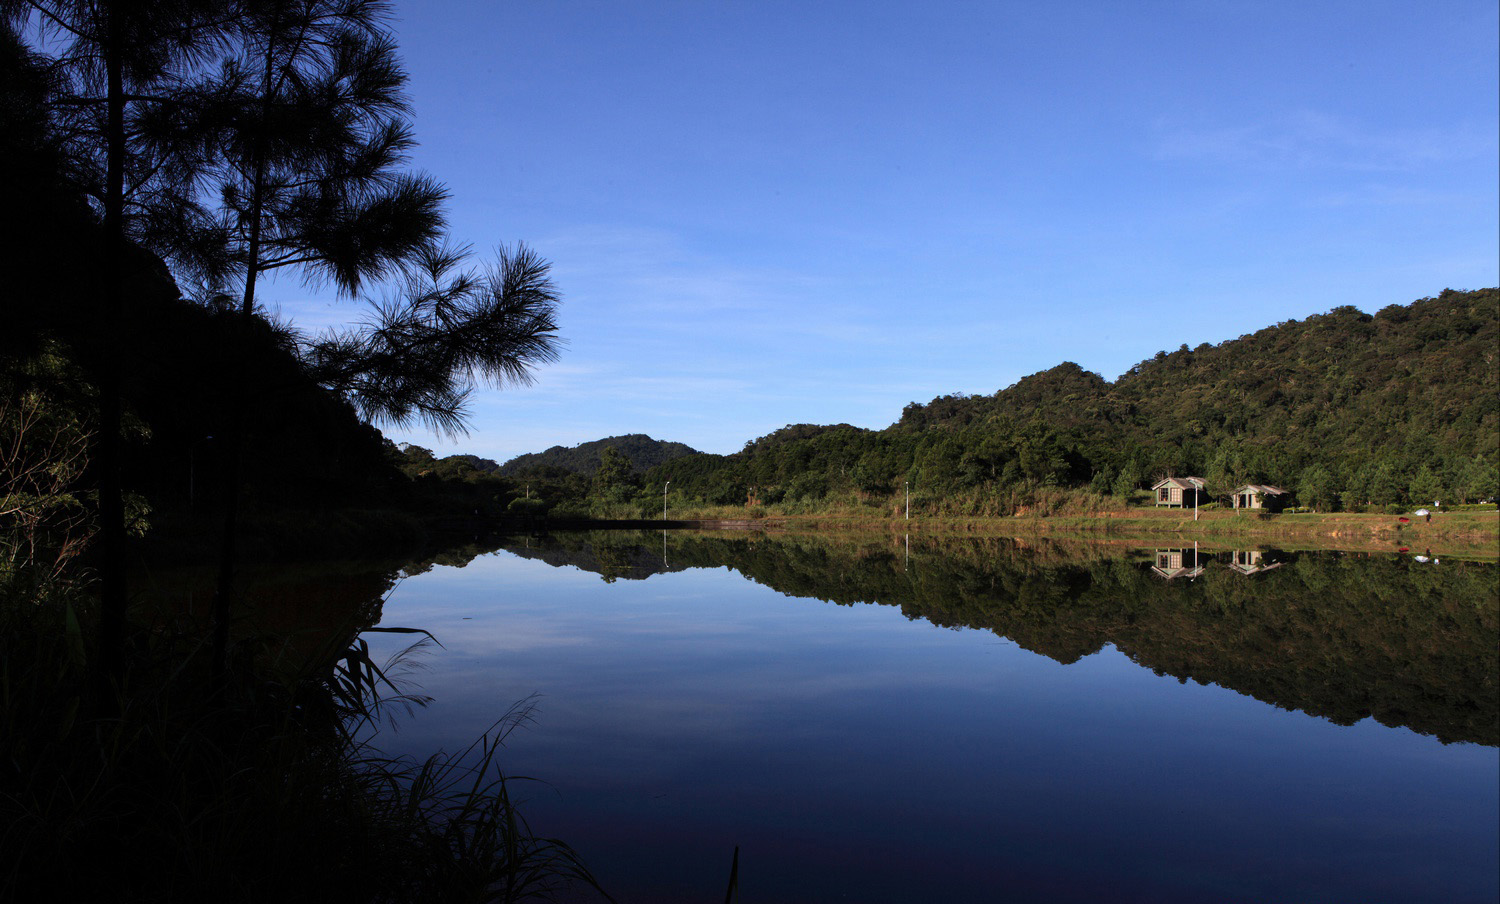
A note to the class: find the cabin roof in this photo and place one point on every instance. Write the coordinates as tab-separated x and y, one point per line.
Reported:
1186	483
1263	489
1254	569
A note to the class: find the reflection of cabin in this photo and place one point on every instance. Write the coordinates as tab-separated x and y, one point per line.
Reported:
1177	563
1178	491
1251	561
1259	496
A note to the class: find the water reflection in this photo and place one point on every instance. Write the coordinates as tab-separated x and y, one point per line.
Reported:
296	615
1342	636
1177	563
1191	563
1255	561
696	697
1409	641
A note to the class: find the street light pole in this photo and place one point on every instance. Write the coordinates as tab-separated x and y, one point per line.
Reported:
664	500
906	484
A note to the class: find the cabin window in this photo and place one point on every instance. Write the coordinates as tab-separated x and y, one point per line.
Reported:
1164	495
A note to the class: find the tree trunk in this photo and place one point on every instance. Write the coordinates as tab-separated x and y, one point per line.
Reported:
235	438
113	592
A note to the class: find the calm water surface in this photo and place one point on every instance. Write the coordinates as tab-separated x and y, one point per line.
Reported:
979	721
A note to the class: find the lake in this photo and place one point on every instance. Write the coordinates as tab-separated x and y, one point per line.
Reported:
873	718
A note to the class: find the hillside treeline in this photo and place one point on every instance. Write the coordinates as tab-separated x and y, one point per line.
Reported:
1344	409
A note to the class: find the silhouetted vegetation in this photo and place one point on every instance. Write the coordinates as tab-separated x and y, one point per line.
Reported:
263	784
211	142
229	140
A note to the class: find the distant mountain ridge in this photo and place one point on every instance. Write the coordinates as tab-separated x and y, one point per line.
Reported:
642	451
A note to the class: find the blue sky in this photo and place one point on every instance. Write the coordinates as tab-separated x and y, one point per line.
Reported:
768	213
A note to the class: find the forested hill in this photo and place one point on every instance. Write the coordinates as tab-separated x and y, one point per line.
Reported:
1417	379
1341	408
642	451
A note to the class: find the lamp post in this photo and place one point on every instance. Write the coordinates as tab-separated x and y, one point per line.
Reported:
906	484
664	500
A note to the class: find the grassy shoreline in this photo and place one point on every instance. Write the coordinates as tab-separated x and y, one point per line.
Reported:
1472	534
316	535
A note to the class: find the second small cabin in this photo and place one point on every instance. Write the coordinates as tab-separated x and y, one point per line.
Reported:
1261	496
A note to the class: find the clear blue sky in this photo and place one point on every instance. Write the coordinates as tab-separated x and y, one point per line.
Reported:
766	213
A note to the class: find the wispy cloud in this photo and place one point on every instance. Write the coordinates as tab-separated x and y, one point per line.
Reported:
1381	195
656	274
1308	139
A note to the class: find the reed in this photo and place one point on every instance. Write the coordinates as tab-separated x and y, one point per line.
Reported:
266	786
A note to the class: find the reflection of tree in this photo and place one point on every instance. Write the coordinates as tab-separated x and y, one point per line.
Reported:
1340	636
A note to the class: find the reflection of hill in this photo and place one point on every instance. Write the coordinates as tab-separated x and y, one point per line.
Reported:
610	560
1338	636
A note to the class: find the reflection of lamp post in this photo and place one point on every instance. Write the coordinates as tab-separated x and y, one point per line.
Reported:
664	500
193	467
